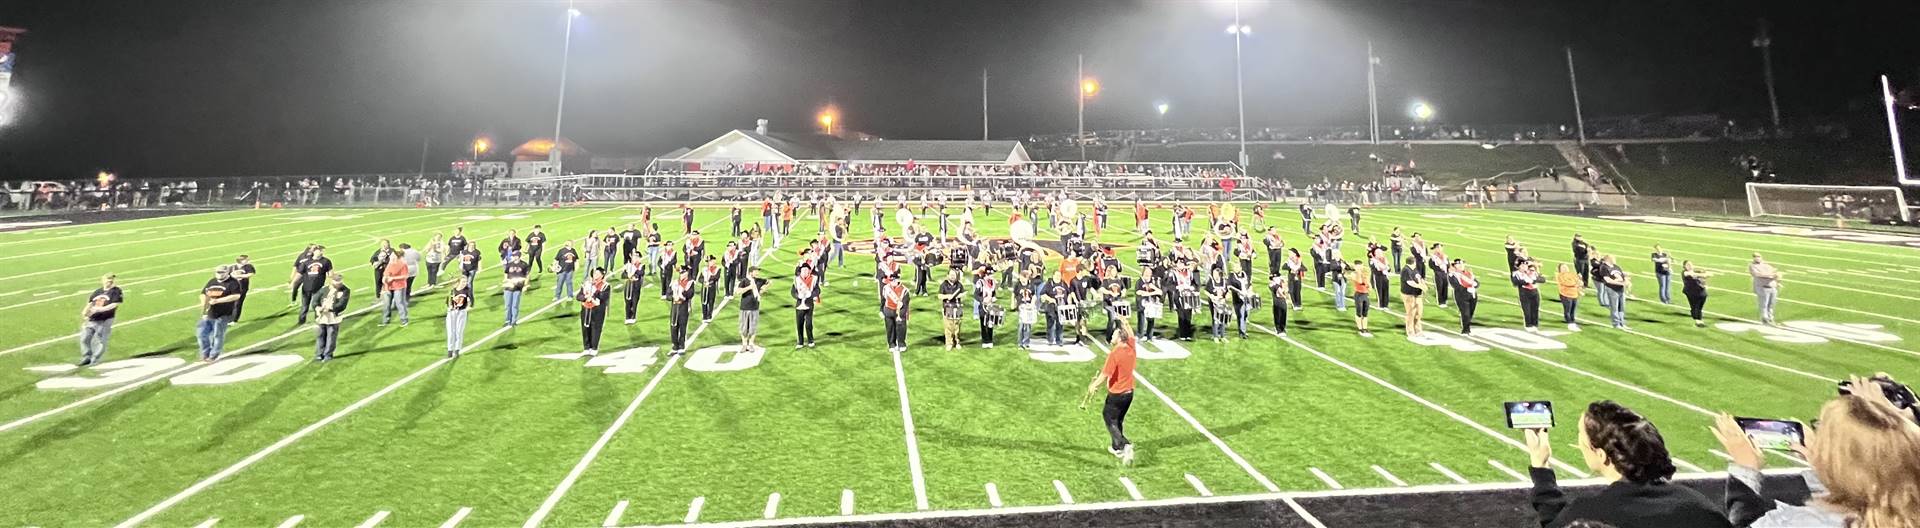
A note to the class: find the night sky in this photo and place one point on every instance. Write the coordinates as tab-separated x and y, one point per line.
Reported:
220	88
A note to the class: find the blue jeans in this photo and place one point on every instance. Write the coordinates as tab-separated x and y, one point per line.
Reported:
325	341
1026	334
1053	331
1666	286
839	255
395	300
563	285
1605	295
1240	321
212	333
456	330
513	306
1569	306
1340	295
1618	309
1765	298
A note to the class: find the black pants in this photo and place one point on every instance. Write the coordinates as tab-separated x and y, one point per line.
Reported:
433	273
679	326
1580	267
1319	275
1293	292
312	303
1279	316
706	301
1696	303
1530	307
986	334
803	327
1185	328
533	257
377	272
1115	414
1274	259
1380	284
896	328
666	278
1441	275
592	320
1467	304
920	279
1396	260
240	306
632	298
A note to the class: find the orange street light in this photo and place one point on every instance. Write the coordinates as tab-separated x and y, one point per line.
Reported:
481	145
827	118
1089	86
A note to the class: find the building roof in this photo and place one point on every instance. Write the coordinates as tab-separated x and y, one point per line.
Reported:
752	146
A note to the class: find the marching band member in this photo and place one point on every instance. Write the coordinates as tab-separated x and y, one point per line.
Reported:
806	297
679	295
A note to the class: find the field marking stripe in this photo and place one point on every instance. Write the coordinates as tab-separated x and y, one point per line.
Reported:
203	248
1389	476
1187	501
162	375
292	521
1302	512
1065	496
377	518
846	502
1721	454
1198	486
620	510
159	220
1132	489
1687	465
171	235
1516	444
1509	471
1448	473
454	521
693	510
1324	477
773	506
209	523
993	495
593	452
912	439
1195	422
257	456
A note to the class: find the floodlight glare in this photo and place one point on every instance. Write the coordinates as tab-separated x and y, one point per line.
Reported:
1162	108
1422	111
573	12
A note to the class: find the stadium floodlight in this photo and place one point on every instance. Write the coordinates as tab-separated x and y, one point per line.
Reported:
827	117
1161	108
1089	86
571	12
1240	29
1421	111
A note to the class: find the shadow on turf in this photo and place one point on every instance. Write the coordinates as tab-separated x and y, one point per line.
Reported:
78	425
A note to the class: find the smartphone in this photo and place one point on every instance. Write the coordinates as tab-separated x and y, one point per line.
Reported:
1529	414
1777	435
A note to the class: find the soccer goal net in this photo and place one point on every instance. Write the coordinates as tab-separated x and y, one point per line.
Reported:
1827	201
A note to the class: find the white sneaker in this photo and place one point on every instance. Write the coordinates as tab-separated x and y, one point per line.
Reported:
1533	330
1573	327
1368	335
988	345
1126	455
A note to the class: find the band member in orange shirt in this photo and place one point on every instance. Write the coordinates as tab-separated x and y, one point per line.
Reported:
1117	377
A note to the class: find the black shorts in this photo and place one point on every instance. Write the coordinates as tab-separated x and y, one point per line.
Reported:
1360	305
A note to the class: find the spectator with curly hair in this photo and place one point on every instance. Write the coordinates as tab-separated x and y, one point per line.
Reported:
1625	449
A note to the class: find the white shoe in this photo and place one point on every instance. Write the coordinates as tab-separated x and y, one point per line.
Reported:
988	345
1573	327
631	321
1126	455
1533	330
1368	335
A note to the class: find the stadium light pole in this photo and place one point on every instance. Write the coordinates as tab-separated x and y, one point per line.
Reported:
1579	119
560	107
1893	133
1373	98
1764	41
1239	92
1088	87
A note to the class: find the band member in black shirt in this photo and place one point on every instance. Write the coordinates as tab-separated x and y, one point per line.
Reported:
629	241
680	295
242	273
1581	264
686	218
894	307
216	311
536	243
1466	293
382	256
734	217
749	290
1528	280
299	270
710	287
333	308
806	297
1693	285
515	286
633	278
951	293
1277	286
457	244
1413	284
312	278
459	301
510	246
564	261
593	297
96	320
985	299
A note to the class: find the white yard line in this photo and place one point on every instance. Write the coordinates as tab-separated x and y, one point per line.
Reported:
1510	441
912	439
1287	497
620	510
292	521
1721	454
773	506
454	521
1324	477
1188	417
1061	488
1686	465
376	519
257	456
1509	471
32	235
1455	477
1132	490
846	502
693	510
1389	476
1199	487
993	495
1302	512
163	375
209	523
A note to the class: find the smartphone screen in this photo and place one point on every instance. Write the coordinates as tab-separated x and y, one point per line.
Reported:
1529	414
1778	435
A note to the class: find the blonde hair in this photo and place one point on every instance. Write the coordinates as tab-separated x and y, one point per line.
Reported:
1868	456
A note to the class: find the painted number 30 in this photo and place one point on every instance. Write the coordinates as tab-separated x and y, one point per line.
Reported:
722	358
230	370
1814	332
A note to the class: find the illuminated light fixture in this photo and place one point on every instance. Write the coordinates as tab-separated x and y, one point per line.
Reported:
573	12
1162	108
1089	86
1422	111
1240	29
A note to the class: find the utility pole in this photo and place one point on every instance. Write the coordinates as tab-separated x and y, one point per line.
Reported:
1239	91
1579	119
1763	40
560	107
983	104
1373	98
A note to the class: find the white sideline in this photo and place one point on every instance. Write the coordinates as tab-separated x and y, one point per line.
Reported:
1198	486
376	519
1324	477
292	521
1286	496
454	521
993	495
1132	490
1195	422
1389	476
846	502
1687	465
209	523
1509	471
913	441
620	510
1455	477
1061	487
257	456
773	506
693	509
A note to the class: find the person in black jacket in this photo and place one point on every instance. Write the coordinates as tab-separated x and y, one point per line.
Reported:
1623	447
593	297
806	296
680	298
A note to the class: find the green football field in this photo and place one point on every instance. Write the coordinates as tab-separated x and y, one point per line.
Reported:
393	434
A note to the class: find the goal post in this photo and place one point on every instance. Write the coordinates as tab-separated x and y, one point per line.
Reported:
1827	201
